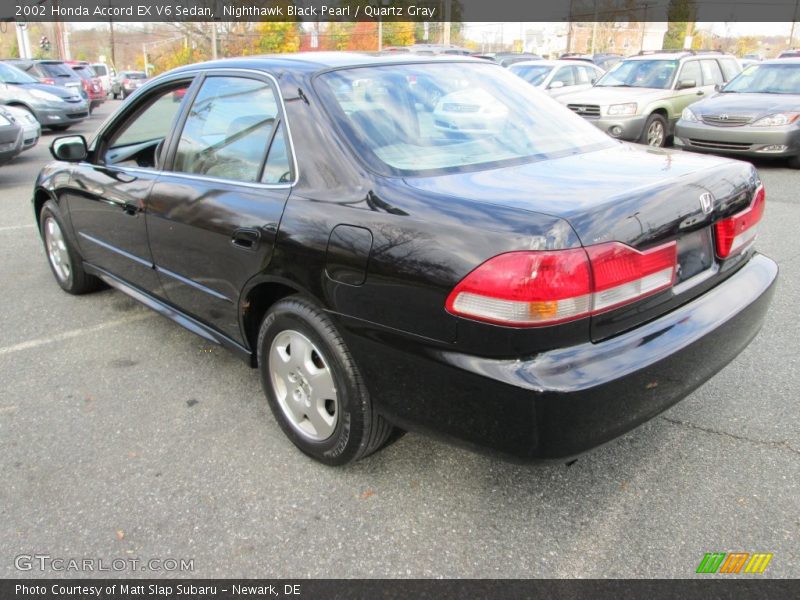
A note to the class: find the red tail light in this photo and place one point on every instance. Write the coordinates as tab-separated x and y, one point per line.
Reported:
545	288
736	233
126	82
47	80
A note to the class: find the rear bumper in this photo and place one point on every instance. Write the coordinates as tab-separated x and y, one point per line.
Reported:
561	403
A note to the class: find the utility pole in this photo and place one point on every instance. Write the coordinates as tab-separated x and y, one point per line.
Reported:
794	20
569	28
23	41
594	27
144	52
214	40
67	55
447	16
111	42
644	26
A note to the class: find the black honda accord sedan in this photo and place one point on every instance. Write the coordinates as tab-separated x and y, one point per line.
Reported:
478	263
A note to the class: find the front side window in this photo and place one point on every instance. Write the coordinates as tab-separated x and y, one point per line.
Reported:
141	136
229	128
482	117
565	75
657	74
691	72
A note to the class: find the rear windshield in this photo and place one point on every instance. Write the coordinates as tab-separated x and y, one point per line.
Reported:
767	79
134	75
84	72
425	119
100	70
56	70
656	74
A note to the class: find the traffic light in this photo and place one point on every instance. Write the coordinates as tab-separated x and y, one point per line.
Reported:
44	43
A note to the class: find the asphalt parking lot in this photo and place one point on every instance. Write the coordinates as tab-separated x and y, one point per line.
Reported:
124	436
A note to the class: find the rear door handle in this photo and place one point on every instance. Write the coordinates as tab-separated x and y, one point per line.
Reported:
129	208
246	238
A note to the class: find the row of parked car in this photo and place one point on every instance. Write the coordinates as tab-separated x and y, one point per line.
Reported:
700	101
53	94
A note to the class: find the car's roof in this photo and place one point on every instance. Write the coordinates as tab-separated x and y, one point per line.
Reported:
553	63
678	55
790	60
318	61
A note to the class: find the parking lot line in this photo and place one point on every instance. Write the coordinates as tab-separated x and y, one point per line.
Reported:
60	337
15	227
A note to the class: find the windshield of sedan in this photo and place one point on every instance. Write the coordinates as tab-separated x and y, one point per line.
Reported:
767	79
657	74
533	74
420	119
14	76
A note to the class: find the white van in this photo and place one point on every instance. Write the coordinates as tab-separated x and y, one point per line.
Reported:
105	73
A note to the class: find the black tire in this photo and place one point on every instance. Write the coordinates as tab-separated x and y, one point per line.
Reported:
59	127
68	267
357	430
650	134
114	95
793	162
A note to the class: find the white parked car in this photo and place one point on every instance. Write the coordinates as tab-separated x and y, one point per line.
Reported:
558	77
472	111
31	129
105	73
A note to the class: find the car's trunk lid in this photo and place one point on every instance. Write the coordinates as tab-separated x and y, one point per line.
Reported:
637	196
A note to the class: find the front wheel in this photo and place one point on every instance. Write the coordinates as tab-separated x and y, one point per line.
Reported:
313	385
655	131
65	262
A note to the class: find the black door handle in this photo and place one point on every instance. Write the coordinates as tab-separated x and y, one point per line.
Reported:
701	93
129	208
246	238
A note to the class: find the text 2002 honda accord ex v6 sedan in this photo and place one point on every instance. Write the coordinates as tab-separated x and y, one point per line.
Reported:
405	243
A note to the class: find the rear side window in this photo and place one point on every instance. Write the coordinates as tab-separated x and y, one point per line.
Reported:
712	74
56	69
229	128
730	68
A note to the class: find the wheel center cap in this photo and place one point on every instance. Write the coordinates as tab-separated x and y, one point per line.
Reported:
302	389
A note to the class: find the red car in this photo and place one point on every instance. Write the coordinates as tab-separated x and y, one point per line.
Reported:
90	82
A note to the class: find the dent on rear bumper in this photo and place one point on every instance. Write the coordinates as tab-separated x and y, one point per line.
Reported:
561	403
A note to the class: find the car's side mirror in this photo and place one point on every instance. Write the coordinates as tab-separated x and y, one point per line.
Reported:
556	85
717	87
686	83
71	148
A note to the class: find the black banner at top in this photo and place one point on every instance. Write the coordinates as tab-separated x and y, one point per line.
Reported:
400	10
